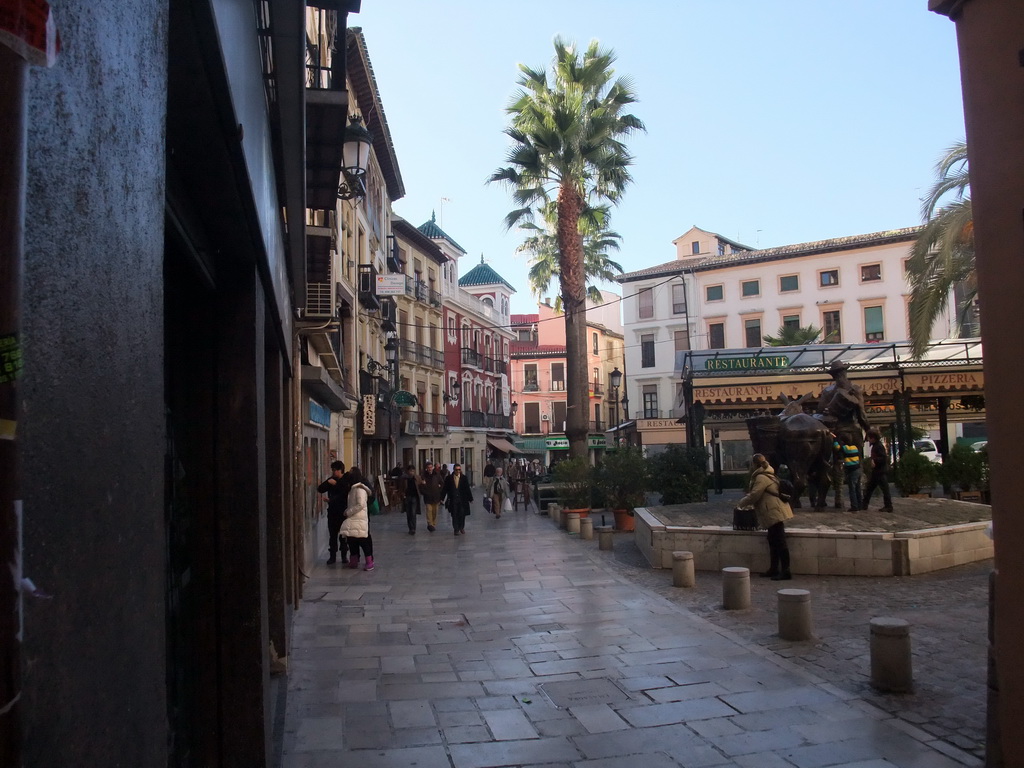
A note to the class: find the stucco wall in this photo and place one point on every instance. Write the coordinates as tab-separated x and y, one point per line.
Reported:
92	426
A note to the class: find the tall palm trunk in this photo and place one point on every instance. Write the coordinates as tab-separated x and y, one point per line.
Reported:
572	280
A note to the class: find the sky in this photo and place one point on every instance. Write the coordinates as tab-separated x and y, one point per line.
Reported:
768	123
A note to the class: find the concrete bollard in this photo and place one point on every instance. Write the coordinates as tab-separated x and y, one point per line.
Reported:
604	537
735	588
794	614
682	569
586	528
572	522
891	668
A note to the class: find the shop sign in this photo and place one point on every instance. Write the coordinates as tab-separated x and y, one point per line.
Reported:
319	414
390	285
369	414
557	443
948	381
404	399
658	424
751	363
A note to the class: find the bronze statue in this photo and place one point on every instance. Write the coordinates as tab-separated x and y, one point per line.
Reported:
841	406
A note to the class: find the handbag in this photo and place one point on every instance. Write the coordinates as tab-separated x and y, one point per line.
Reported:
487	503
506	505
373	506
744	520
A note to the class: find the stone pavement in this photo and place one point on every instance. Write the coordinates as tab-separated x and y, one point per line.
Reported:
519	644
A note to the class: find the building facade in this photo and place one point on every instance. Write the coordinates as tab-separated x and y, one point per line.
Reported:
538	379
718	294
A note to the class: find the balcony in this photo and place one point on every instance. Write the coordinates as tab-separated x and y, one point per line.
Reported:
558	386
596	390
598	426
488	364
474	419
500	366
415	423
471	357
420	354
531	386
368	286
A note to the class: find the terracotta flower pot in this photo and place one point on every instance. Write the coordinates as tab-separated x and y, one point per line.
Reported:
624	521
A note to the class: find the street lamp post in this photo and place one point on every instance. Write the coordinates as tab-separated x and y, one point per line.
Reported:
616	378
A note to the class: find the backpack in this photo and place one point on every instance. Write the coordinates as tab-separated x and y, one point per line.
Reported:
785	490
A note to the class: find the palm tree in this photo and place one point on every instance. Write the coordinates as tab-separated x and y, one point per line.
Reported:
943	255
567	149
793	336
597	241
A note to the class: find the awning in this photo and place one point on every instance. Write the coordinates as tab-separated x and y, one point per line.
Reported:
502	445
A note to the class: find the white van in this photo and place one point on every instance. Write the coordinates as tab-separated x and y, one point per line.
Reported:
926	447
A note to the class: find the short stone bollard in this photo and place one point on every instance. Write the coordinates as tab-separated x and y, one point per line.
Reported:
682	569
735	588
586	528
891	668
794	614
604	537
572	522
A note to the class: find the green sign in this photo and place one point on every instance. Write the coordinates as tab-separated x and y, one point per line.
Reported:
404	399
754	362
562	443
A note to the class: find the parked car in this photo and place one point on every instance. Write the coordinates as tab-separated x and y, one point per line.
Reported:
927	448
981	445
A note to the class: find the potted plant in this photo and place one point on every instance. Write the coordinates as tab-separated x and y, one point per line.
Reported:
623	477
575	480
964	470
914	471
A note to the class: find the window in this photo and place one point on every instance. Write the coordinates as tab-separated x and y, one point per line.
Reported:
646	303
874	324
531	416
650	393
530	383
524	334
828	277
752	329
750	288
597	376
597	349
716	335
870	272
791	321
833	327
678	299
647	350
558	416
789	283
714	293
695	247
682	340
721	248
558	377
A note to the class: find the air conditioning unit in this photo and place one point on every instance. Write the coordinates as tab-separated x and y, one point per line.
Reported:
545	417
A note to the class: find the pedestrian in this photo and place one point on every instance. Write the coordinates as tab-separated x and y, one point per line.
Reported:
772	512
879	477
431	488
499	492
489	472
850	457
336	487
356	527
411	499
458	495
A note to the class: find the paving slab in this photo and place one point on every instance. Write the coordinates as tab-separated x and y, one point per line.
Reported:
520	645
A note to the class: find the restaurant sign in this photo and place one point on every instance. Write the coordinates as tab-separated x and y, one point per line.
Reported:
750	363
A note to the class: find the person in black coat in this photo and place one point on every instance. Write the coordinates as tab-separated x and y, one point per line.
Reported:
336	487
457	497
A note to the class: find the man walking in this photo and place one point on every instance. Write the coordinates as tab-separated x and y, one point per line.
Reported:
336	487
411	499
431	488
879	477
458	496
850	455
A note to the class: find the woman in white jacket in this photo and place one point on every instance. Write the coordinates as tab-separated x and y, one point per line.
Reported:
356	527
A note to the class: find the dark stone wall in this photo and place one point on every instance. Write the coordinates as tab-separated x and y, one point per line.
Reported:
92	425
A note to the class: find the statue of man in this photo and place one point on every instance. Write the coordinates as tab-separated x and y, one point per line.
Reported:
841	405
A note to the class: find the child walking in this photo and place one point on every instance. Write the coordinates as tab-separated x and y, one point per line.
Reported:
356	527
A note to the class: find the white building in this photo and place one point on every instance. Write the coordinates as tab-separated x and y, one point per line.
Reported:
719	294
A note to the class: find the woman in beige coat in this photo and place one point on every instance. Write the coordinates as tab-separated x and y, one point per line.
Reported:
772	513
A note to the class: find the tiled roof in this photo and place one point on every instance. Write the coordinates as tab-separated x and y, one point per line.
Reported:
523	319
706	263
434	232
483	274
527	348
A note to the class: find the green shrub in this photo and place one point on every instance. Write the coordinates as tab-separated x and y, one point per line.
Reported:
680	474
575	480
622	478
913	472
964	468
